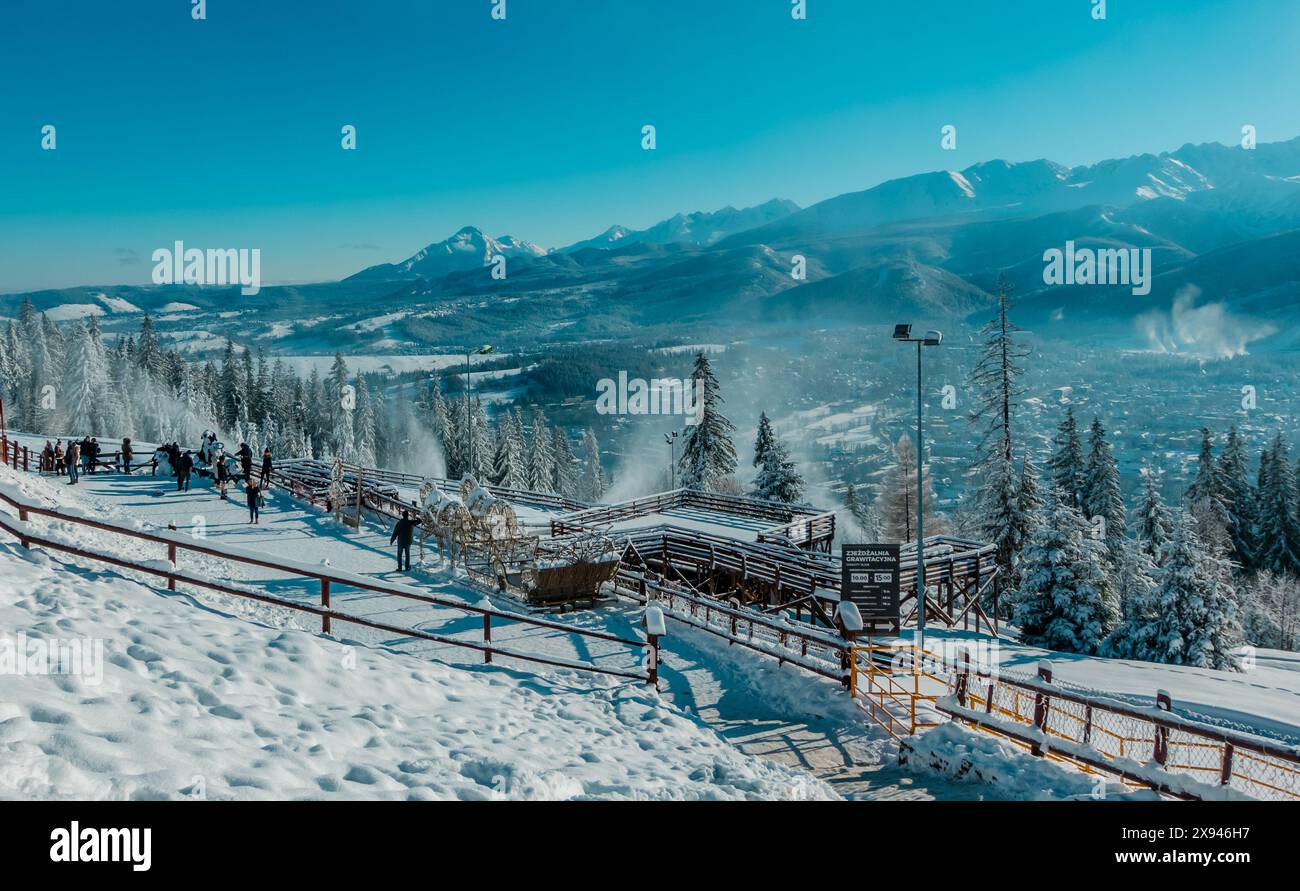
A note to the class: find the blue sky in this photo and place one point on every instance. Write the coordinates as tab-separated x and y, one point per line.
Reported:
225	132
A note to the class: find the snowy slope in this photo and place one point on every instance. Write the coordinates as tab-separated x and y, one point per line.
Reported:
200	698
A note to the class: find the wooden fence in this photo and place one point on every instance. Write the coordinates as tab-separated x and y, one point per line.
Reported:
328	581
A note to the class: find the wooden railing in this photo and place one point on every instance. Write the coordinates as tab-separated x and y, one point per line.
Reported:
329	581
1150	746
822	652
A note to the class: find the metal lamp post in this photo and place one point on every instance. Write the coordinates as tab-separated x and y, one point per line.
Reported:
903	333
469	420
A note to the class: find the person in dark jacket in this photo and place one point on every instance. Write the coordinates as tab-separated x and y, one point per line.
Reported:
84	450
58	457
253	494
403	532
221	470
266	467
245	462
184	464
127	454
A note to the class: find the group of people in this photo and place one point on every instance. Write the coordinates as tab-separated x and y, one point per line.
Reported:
213	453
79	457
83	457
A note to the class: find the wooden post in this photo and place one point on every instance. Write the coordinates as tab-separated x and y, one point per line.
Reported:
487	637
1041	703
325	604
171	556
1225	771
22	515
25	456
963	678
652	676
1161	752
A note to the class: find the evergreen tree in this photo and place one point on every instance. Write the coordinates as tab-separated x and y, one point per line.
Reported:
708	456
593	476
508	466
995	385
341	403
1065	601
541	455
365	444
1205	485
1136	586
564	478
1101	491
1195	614
483	446
778	479
1152	517
1279	529
1241	500
1066	465
83	385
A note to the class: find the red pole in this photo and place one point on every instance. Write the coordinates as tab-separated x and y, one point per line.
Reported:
325	602
487	637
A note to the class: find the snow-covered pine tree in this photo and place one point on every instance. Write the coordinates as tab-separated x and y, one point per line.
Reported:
1101	495
1195	616
541	454
1279	528
339	409
708	457
1065	601
365	447
83	381
148	352
564	476
1153	525
996	391
593	475
778	478
1241	500
1135	583
484	448
1066	464
1205	483
508	466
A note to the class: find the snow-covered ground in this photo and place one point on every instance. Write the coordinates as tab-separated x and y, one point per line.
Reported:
766	717
190	701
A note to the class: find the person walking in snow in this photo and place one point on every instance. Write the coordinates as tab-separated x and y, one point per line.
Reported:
221	470
403	532
83	454
73	457
58	457
47	458
253	494
94	453
127	454
184	464
266	467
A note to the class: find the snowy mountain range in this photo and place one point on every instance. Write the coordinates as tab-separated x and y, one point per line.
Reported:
1220	222
467	249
